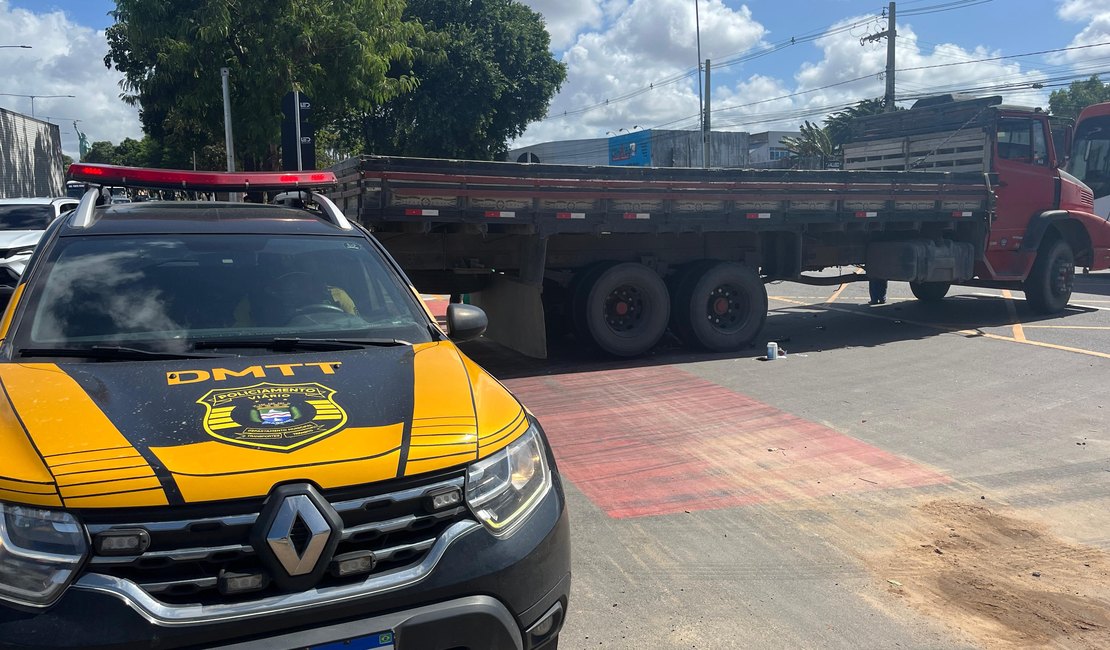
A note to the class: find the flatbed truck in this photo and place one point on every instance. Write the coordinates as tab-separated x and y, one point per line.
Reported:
953	191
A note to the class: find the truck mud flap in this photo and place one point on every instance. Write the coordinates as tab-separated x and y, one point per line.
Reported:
515	312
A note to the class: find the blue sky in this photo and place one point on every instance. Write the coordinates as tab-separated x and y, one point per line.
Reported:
616	48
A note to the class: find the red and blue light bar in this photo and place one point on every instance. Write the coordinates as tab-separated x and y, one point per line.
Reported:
180	179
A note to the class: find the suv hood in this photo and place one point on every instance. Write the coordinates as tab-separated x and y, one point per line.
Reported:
18	239
123	434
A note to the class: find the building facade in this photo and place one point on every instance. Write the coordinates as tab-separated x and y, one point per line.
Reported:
658	148
30	157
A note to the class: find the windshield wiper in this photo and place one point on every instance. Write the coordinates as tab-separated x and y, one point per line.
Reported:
112	353
284	344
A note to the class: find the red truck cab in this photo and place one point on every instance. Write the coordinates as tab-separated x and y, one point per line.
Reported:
1043	222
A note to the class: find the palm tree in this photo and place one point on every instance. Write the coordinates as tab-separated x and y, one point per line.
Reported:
812	142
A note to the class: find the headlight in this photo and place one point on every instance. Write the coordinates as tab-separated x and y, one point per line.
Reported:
504	488
39	552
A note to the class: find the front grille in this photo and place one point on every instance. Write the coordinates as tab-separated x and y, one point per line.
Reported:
187	556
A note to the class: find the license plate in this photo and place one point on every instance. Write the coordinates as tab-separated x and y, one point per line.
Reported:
375	641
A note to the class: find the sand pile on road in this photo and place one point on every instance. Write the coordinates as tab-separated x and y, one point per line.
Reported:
1002	581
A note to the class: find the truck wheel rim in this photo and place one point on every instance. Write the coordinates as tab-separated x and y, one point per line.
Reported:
727	308
1064	277
624	308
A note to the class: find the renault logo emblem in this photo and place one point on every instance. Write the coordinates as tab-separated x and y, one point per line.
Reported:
296	535
298	547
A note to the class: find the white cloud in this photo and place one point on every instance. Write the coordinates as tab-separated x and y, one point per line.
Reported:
846	72
65	59
1079	10
646	42
565	18
844	59
1096	13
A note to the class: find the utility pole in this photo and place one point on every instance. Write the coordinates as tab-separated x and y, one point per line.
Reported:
889	35
705	132
697	28
229	142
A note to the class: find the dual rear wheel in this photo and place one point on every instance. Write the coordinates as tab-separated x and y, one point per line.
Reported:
625	308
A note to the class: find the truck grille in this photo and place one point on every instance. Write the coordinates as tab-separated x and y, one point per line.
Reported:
187	556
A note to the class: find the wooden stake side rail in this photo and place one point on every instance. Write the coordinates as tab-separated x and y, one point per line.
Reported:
378	191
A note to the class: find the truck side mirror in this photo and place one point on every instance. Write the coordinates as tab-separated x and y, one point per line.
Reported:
465	322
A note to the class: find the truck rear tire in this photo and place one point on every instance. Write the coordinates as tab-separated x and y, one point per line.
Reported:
680	283
577	294
1049	285
721	309
623	308
930	291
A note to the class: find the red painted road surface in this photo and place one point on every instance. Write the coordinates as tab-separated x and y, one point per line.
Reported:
656	441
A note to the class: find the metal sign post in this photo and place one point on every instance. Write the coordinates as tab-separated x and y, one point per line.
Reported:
229	142
297	119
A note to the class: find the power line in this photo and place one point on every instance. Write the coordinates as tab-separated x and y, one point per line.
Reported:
806	37
1000	58
936	9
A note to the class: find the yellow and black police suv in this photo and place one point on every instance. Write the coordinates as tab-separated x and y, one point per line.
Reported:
227	424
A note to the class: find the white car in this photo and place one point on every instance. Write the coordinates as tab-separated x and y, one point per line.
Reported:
22	222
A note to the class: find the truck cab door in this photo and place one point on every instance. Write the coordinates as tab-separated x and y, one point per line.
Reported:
1026	168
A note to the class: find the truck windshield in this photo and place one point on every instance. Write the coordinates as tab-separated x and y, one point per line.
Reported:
25	217
1090	158
168	292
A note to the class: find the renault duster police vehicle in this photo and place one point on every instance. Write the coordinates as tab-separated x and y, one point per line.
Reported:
226	424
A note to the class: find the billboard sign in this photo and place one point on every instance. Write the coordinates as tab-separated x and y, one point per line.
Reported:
631	149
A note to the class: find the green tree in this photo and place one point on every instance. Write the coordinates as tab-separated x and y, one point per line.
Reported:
102	152
1067	102
133	153
497	75
348	55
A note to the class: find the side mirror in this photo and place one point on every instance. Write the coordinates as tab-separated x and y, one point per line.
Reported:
465	322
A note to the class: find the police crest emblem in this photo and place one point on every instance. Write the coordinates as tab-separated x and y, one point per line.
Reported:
279	417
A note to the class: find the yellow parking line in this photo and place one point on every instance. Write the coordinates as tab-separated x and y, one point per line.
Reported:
836	294
964	332
815	298
1019	333
1052	346
1068	327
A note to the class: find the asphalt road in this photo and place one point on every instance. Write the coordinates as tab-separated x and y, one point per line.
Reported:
909	475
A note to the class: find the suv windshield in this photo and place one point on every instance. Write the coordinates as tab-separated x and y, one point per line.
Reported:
25	217
170	292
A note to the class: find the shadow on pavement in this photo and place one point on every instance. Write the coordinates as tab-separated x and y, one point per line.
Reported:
798	329
1093	283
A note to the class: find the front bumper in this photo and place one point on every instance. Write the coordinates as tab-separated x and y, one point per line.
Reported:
483	592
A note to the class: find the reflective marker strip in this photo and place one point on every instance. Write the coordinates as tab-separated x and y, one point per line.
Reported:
411	212
637	215
570	215
497	214
866	215
958	213
759	215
